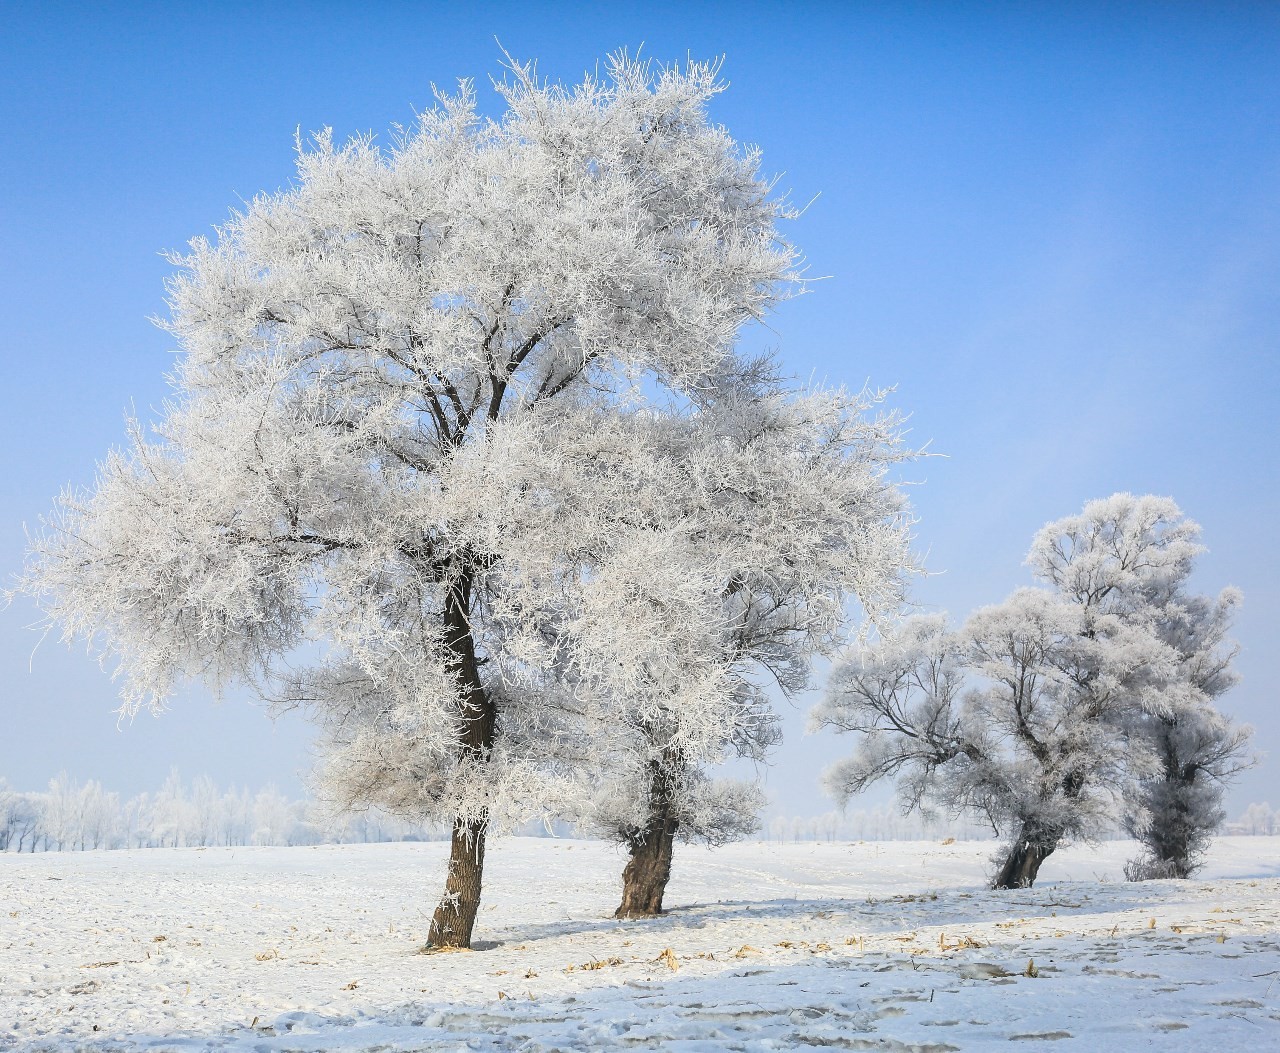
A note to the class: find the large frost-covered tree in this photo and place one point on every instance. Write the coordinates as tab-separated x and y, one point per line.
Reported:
1062	710
360	497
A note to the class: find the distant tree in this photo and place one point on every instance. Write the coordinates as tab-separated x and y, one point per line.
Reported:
206	811
383	368
272	821
135	821
171	812
59	819
10	815
1061	711
1258	819
99	816
21	815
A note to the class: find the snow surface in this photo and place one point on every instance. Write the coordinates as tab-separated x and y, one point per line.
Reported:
872	946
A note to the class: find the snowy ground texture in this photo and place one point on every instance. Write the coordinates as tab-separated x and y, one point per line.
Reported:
876	946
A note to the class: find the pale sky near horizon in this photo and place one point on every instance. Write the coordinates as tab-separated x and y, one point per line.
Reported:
1056	229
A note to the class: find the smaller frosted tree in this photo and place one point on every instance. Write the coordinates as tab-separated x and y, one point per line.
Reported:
1056	683
1065	710
1134	555
659	712
1011	718
744	526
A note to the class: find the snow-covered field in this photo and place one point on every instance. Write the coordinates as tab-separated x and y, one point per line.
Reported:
875	946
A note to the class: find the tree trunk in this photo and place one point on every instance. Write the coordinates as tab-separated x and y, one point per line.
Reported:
1022	864
455	917
645	877
1173	837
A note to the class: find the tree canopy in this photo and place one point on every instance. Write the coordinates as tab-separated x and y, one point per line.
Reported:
460	431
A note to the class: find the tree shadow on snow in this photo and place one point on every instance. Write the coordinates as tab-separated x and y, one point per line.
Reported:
864	916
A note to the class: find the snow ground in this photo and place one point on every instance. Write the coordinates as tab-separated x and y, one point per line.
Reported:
873	946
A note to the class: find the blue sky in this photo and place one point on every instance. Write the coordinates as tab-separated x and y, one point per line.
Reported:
1055	228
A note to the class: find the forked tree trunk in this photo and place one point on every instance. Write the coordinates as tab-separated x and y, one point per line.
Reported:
455	917
645	877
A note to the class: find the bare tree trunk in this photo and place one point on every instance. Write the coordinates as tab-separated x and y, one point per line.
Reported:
1022	864
455	917
645	877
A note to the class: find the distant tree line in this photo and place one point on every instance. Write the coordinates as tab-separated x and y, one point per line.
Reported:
71	816
1258	820
884	822
74	816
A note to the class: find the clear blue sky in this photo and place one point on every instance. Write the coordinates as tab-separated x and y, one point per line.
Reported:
1055	228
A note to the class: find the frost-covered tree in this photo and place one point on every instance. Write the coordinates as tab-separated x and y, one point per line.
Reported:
1011	718
272	817
1259	819
1057	682
21	818
135	821
20	815
1062	710
171	814
743	530
385	370
60	820
206	808
1134	555
99	812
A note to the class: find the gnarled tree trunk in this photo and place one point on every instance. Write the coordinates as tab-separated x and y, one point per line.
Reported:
1036	841
455	917
1031	848
645	877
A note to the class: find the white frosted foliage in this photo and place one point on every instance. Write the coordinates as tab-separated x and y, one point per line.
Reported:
461	458
1065	710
